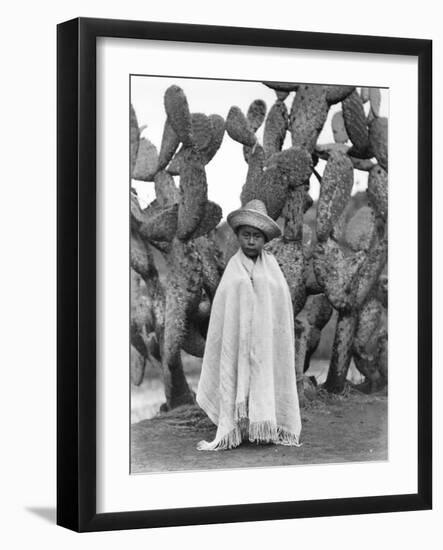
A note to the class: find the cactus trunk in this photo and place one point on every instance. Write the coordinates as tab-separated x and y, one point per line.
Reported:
341	352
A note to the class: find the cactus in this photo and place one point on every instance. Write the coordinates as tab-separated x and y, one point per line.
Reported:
177	110
293	214
335	191
217	133
378	138
364	94
356	125
256	114
177	223
272	190
343	266
349	284
336	273
201	130
251	188
282	86
166	191
339	267
361	229
170	142
158	224
194	194
308	114
294	164
378	191
183	293
335	94
275	128
341	351
338	128
134	138
370	346
208	133
289	255
137	366
375	100
146	165
239	128
370	272
255	118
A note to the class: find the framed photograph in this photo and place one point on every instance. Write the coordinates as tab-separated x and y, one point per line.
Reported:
244	274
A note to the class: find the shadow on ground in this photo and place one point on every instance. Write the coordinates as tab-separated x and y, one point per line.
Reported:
48	514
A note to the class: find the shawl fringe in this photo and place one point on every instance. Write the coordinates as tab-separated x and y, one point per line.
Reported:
256	432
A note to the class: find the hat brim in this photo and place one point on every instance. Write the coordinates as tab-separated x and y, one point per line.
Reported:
255	219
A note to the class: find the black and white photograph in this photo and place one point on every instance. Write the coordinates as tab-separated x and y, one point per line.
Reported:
221	299
258	273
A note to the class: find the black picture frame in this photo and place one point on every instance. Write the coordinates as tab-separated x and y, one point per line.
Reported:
76	273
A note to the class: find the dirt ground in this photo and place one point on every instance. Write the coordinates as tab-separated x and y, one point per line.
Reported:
335	429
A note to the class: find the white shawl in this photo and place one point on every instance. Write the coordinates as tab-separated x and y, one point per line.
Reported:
247	384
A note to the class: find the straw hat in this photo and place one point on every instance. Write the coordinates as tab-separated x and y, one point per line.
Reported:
254	213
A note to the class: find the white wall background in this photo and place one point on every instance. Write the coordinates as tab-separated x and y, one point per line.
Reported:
28	279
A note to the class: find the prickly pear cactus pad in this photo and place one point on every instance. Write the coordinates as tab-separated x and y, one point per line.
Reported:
337	274
159	224
169	145
137	367
211	217
174	166
294	163
275	128
217	133
308	115
212	265
378	138
293	214
356	125
335	94
364	94
135	137
370	271
282	86
193	193
166	191
272	189
289	255
375	100
201	130
341	351
146	164
361	229
251	188
239	128
378	191
338	128
319	311
335	191
256	114
177	110
368	324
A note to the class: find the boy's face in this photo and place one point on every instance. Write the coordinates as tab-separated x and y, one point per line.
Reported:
251	240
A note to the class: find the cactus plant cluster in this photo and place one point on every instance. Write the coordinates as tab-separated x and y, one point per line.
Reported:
341	270
339	267
179	224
